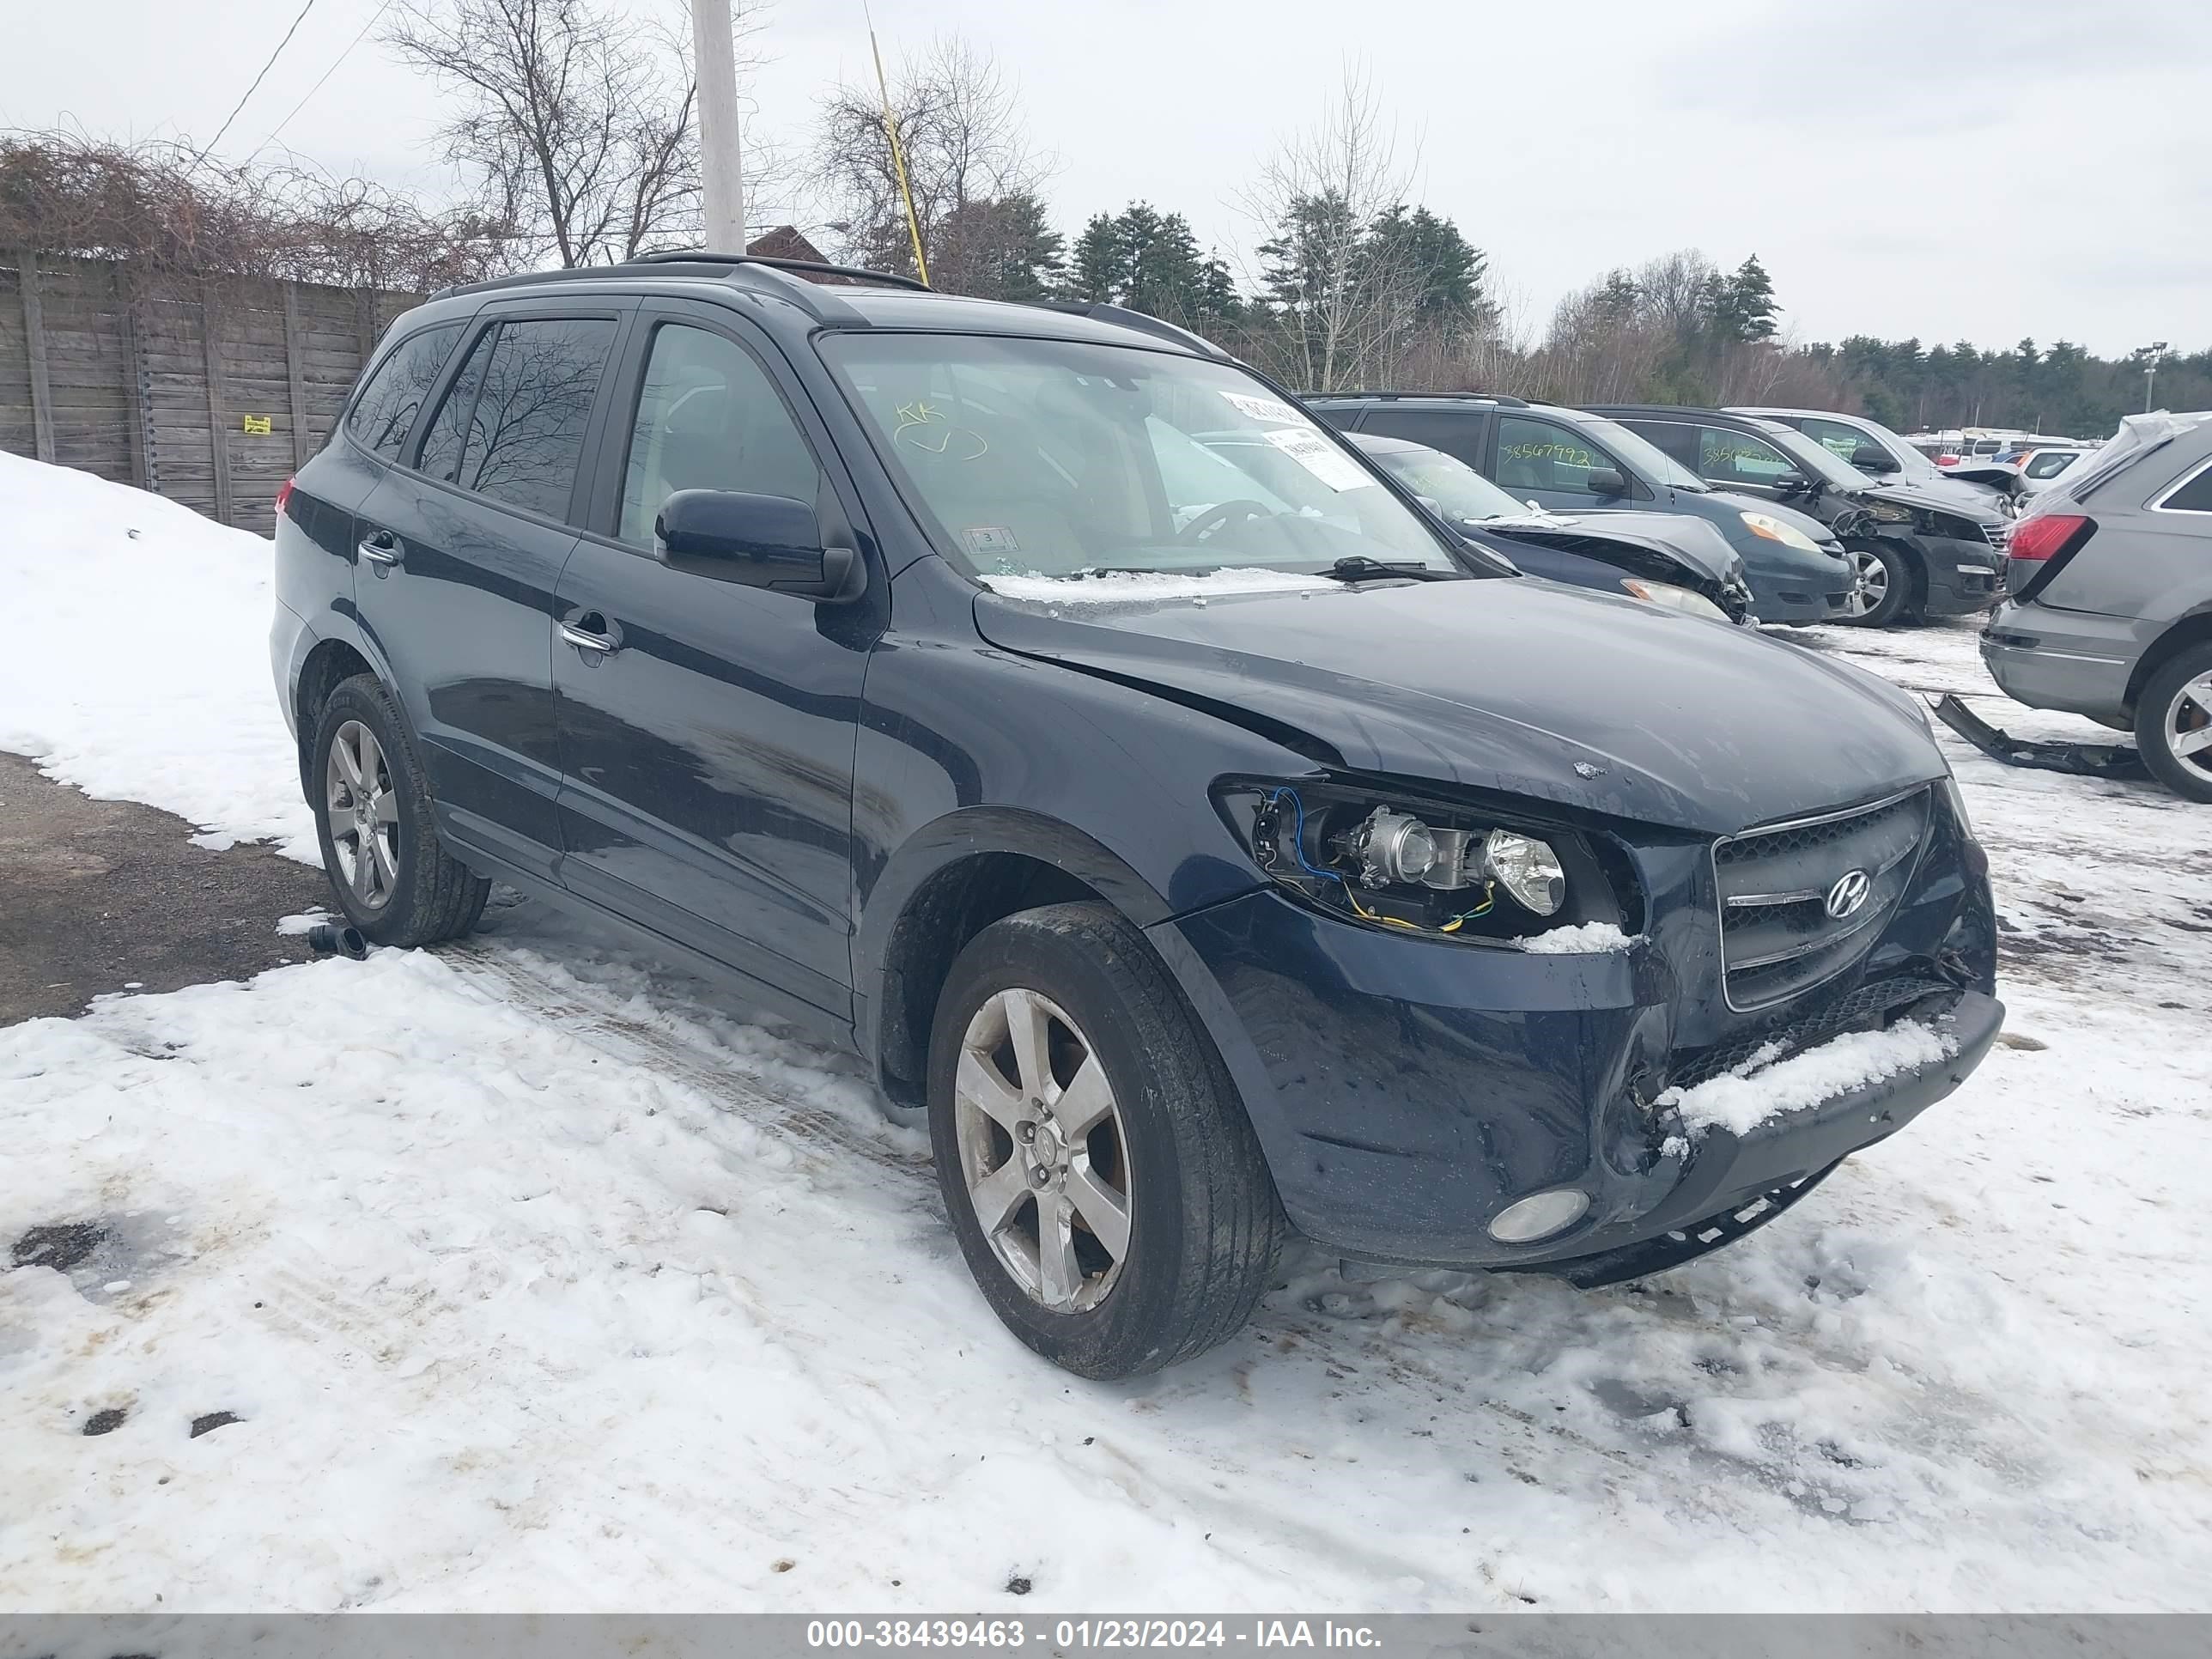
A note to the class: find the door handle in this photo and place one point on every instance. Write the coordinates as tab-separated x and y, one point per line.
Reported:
594	633
381	550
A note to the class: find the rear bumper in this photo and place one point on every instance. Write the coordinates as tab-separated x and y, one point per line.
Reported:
2074	661
1962	577
1406	1091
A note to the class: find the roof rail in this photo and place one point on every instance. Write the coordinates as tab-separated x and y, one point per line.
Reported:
786	278
1498	398
1143	322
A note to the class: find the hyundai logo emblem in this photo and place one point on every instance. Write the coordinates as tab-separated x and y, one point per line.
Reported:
1849	893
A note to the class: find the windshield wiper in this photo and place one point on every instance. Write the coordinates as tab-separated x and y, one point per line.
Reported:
1358	567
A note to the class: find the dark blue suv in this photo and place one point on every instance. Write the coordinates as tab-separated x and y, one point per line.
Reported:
1046	708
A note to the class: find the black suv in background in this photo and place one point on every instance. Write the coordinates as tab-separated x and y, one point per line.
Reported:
1914	553
1199	864
1564	461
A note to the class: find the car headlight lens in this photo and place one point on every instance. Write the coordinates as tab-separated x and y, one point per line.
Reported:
1955	797
1429	868
1766	524
1890	513
1674	597
1528	869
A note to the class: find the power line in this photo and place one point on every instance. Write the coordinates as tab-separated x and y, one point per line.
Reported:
265	68
374	19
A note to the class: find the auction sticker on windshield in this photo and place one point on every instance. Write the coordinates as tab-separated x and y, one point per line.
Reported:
1263	409
1319	457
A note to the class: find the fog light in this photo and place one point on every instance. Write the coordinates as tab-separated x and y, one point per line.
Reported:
1539	1216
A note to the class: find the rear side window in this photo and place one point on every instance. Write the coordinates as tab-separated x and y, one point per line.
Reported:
1458	435
2049	465
1676	442
384	413
2195	497
1537	455
519	418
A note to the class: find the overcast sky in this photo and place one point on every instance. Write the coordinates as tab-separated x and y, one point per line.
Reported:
2001	170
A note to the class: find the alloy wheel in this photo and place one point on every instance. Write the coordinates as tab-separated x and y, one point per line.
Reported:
2189	725
364	815
1043	1153
1869	584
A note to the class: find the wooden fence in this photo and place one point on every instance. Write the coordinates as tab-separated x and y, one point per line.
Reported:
208	391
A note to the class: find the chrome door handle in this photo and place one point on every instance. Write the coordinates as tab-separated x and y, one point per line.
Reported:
584	640
380	549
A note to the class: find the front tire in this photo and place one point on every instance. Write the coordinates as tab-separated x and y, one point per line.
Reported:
391	875
1107	1190
1881	585
2173	723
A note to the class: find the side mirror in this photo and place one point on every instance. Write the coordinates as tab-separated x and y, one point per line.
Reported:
1867	458
1792	483
1604	481
762	541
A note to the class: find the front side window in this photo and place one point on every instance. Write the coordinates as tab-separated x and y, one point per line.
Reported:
384	414
1728	456
522	432
1056	458
708	417
1538	455
1837	438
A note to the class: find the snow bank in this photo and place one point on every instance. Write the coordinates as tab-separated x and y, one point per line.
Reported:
1124	587
1591	939
138	666
1742	1100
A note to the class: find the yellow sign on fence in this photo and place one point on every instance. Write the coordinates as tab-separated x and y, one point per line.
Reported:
258	425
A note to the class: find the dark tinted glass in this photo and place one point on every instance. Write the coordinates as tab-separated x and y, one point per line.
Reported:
1674	439
385	412
442	445
523	442
2195	497
1457	433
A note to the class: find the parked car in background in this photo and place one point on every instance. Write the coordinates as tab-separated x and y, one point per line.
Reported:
1199	870
1876	450
1663	558
2040	467
1913	554
2110	608
1561	460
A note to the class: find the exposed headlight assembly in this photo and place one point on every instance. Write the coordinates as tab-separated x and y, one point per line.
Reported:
1424	867
1674	597
1766	524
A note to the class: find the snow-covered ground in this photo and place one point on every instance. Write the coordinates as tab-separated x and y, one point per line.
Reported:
538	1278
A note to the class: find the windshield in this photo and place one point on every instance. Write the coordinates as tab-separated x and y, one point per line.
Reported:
1054	458
1646	456
1814	461
1460	492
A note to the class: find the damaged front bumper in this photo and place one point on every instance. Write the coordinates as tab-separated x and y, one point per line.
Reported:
1408	1091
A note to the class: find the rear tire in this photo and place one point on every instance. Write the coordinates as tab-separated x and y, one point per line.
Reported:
2174	710
1110	1122
391	875
1881	585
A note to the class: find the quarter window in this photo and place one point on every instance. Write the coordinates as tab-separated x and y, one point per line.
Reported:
521	419
708	417
384	413
1537	455
2195	497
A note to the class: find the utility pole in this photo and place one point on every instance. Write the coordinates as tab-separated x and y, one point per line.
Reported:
2157	350
721	159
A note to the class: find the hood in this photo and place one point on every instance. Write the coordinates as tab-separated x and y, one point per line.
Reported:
1689	541
1513	684
1973	504
1950	494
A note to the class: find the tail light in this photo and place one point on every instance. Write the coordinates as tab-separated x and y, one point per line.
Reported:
284	496
1947	460
2048	535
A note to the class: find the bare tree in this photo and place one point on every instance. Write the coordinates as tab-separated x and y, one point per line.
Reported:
574	123
170	206
1343	292
973	171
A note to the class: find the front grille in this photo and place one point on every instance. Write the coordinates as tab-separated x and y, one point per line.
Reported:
1779	937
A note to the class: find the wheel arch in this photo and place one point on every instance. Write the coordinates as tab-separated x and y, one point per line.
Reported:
949	881
2195	629
327	667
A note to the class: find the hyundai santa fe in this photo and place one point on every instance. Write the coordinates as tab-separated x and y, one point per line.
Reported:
1202	870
